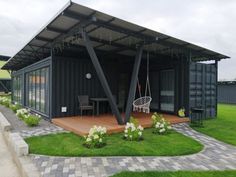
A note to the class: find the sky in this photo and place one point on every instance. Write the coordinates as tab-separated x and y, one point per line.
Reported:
208	23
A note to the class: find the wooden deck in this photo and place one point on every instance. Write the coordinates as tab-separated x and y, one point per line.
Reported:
81	125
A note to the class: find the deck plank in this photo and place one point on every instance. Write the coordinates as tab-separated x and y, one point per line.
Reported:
81	125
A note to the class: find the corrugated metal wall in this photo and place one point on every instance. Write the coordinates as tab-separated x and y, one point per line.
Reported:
227	93
202	87
69	81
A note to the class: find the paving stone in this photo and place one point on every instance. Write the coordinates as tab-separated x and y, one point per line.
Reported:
215	156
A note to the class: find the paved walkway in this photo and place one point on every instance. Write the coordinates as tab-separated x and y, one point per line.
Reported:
45	127
7	167
216	156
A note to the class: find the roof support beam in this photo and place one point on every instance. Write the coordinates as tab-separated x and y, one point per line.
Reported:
102	77
53	29
122	38
133	84
43	39
34	53
31	51
44	47
97	27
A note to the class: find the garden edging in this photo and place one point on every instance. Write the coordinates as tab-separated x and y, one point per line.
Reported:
19	149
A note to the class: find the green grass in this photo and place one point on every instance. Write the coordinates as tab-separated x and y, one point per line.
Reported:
223	127
69	144
3	73
178	174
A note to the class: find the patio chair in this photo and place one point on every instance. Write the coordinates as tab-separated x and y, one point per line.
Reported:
84	104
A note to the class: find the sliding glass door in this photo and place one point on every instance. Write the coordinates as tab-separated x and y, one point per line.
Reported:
167	93
37	89
17	89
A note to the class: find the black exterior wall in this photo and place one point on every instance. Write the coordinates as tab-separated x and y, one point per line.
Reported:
67	81
203	88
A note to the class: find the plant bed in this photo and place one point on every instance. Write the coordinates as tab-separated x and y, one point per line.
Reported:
69	144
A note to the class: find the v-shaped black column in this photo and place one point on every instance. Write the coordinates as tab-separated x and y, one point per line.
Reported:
133	84
102	77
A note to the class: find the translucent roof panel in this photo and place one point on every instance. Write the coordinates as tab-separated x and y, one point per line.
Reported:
106	33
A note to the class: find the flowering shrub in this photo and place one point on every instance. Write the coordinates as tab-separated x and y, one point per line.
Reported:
32	119
156	118
96	137
22	113
14	107
133	131
161	126
5	101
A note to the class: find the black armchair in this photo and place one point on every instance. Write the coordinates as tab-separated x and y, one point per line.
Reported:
84	104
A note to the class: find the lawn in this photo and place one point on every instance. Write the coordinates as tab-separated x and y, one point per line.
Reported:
178	174
223	127
69	144
3	73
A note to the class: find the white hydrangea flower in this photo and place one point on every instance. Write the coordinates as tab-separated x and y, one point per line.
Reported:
95	136
140	133
140	127
88	139
133	128
153	117
162	130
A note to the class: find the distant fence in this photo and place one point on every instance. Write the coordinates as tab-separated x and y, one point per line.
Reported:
5	85
227	92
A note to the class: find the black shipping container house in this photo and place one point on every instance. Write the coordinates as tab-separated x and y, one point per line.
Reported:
51	70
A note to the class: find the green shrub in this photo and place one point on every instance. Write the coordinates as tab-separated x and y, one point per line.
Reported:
15	107
32	120
133	131
22	113
5	101
96	137
160	125
156	118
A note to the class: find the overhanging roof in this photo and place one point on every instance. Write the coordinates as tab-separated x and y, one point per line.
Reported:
4	58
106	32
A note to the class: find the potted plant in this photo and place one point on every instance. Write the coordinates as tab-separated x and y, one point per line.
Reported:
181	112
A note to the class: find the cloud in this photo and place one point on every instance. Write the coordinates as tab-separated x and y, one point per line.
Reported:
209	23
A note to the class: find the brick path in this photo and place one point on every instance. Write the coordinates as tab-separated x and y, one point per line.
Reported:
215	156
44	127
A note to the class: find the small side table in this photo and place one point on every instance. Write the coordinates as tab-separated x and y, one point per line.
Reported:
196	116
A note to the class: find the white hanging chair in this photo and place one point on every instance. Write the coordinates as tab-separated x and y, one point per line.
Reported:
142	104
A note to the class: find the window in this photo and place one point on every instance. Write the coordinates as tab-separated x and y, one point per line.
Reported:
16	89
37	86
